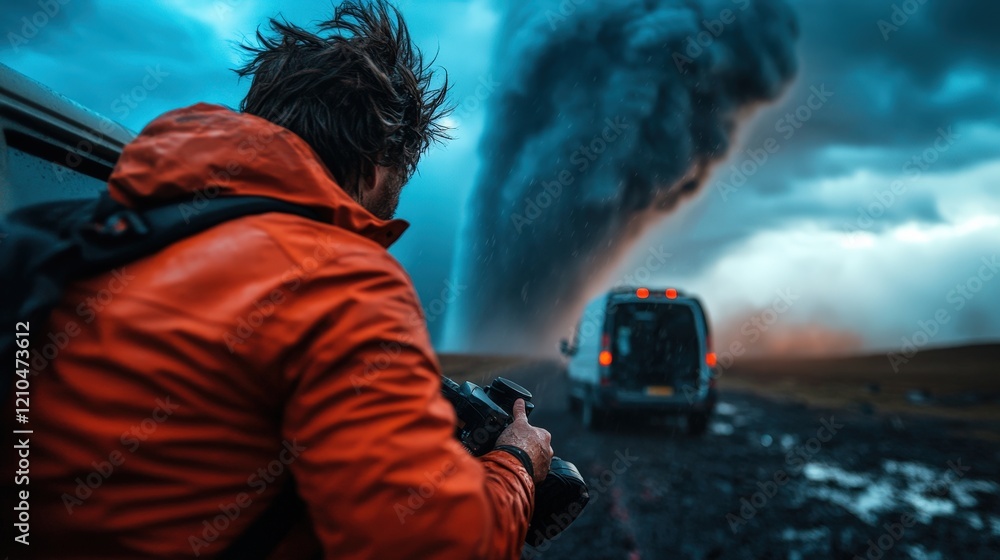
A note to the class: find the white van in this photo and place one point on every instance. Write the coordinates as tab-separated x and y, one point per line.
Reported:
50	147
642	350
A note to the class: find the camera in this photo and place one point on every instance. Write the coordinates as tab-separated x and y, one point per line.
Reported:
483	414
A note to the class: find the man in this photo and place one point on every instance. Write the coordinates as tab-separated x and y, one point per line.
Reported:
198	380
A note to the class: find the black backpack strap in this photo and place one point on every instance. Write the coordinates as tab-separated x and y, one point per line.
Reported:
50	245
147	231
119	235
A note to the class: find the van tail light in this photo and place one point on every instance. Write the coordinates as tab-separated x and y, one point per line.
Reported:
711	359
604	358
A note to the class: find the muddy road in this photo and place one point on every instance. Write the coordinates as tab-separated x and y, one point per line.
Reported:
773	480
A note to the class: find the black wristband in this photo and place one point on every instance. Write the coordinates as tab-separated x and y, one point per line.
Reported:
522	455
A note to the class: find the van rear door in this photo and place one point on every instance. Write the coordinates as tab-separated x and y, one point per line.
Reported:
655	345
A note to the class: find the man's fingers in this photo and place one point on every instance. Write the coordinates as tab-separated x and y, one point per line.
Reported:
519	412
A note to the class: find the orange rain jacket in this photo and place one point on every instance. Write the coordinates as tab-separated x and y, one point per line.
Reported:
187	385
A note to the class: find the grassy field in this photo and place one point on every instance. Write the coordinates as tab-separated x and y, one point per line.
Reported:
476	368
960	383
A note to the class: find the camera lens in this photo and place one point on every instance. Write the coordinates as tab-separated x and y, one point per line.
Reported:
504	392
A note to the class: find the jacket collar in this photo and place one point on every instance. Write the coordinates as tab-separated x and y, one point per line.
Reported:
214	151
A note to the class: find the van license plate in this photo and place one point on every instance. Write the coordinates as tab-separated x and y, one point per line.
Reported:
660	391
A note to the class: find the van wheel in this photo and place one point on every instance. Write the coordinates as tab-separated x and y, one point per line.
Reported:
592	416
697	423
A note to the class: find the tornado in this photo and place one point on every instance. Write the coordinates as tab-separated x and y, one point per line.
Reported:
609	113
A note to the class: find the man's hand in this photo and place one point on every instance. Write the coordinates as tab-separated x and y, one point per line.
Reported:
536	442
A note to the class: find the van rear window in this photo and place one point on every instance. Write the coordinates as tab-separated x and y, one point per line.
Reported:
28	179
654	337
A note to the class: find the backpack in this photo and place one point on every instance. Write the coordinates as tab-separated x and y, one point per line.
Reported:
45	247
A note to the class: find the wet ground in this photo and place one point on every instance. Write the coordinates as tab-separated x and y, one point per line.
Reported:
773	480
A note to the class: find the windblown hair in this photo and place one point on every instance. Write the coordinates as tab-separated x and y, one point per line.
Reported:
358	91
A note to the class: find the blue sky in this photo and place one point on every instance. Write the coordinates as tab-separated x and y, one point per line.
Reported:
878	210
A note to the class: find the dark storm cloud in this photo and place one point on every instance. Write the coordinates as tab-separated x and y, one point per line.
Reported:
127	61
893	95
96	51
894	86
611	113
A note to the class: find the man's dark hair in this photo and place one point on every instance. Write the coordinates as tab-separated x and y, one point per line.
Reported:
357	91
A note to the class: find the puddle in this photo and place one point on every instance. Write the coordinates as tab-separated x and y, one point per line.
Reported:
918	552
829	473
791	534
725	409
722	429
899	486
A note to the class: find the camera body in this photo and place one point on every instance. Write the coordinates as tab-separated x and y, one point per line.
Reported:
483	414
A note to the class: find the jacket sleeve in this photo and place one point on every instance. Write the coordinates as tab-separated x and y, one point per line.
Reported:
380	471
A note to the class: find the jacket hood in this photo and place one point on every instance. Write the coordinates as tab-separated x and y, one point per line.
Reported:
215	151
